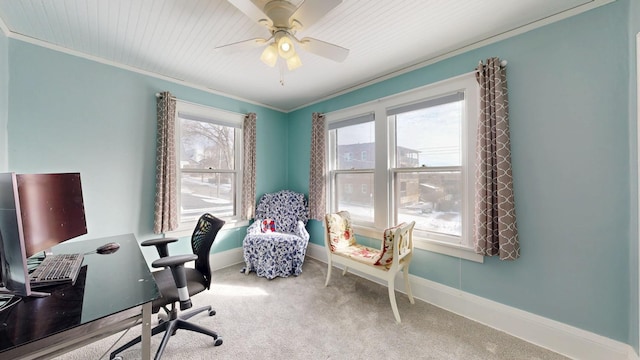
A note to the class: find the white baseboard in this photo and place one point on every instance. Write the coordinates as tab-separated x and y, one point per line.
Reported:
561	338
225	259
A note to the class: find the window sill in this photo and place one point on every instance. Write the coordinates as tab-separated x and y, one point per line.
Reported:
426	244
186	229
448	249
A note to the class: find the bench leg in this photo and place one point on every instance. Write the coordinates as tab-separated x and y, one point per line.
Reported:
329	266
344	272
392	298
407	286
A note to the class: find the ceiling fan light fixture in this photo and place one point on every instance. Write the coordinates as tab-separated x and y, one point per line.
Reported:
270	55
294	62
285	47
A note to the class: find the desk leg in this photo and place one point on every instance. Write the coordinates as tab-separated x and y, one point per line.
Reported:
146	331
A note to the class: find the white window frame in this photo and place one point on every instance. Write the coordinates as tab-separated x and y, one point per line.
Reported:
384	156
332	160
220	117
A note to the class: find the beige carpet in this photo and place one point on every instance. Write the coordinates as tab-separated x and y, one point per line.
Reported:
298	318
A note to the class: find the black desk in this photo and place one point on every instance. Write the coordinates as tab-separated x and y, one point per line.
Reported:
113	292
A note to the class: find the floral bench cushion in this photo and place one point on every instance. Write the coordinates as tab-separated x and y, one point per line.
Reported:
343	241
361	253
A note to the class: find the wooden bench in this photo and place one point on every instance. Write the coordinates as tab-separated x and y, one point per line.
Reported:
384	263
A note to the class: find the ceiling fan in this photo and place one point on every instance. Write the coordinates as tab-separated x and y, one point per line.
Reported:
283	20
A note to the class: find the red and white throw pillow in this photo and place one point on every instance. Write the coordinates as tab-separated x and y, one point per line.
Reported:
268	225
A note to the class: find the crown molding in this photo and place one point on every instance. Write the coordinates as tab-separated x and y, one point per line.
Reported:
454	52
97	59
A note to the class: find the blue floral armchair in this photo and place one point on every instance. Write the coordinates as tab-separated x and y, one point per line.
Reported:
281	252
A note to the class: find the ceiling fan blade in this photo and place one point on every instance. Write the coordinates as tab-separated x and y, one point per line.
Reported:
242	45
311	11
252	11
324	49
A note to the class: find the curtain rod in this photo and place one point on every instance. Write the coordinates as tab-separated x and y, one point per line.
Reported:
503	63
159	95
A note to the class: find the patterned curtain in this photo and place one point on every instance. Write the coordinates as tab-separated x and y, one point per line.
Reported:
165	211
495	231
317	181
249	167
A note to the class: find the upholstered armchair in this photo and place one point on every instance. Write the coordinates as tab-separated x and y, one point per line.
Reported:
276	242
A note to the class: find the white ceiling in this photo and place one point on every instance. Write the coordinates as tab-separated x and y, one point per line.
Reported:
176	39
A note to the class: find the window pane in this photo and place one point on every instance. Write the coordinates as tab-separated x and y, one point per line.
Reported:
350	195
433	200
430	136
206	146
355	146
206	192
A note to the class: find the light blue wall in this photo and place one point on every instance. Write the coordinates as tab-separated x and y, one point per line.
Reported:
71	114
634	312
574	158
571	155
4	98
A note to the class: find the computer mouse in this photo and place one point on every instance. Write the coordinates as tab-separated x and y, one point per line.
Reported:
108	248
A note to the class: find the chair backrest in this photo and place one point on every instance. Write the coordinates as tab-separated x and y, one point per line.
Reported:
339	231
201	241
285	207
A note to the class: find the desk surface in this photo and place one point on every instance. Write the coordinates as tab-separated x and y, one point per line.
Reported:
107	285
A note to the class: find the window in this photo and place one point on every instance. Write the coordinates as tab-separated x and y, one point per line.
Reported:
347	137
209	144
427	166
421	145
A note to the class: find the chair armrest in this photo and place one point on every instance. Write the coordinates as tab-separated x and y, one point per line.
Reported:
176	264
160	244
254	228
175	260
301	230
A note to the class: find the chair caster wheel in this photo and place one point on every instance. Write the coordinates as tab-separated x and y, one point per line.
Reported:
117	358
217	342
212	312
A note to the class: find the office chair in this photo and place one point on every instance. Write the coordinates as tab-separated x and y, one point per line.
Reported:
175	278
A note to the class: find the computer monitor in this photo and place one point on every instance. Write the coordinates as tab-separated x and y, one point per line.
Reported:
51	209
37	211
